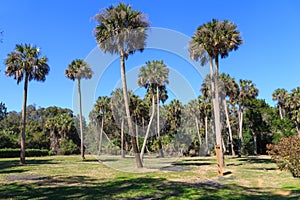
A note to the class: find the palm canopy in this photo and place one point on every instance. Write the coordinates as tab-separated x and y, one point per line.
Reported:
26	61
215	38
121	30
280	94
78	69
154	73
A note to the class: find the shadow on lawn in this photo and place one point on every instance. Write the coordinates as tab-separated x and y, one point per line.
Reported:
11	165
82	187
256	160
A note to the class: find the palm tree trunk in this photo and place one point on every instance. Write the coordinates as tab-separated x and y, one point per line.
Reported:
137	132
122	138
80	121
101	135
198	131
23	136
206	135
240	116
280	111
229	128
215	91
148	128
161	153
254	143
139	163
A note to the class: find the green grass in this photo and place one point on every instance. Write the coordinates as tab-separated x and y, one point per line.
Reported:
67	177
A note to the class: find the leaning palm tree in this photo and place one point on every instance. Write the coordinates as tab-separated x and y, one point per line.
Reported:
78	69
122	30
213	40
26	63
154	76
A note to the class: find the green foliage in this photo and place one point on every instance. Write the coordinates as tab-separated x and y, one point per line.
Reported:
13	153
286	154
68	147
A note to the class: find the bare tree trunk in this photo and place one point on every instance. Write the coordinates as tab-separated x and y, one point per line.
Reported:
148	128
240	116
229	128
198	131
280	111
254	143
122	138
160	150
23	135
206	135
137	133
215	91
101	135
139	163
80	121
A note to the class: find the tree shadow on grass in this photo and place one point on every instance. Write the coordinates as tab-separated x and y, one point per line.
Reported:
256	160
83	187
14	166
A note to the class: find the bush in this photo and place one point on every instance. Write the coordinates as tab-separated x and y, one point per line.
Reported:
286	154
14	153
68	147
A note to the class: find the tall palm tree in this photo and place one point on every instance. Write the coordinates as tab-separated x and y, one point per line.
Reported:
247	91
280	95
78	69
154	76
213	40
101	107
122	30
26	63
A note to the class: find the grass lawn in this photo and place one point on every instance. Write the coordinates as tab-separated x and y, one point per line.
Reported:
67	177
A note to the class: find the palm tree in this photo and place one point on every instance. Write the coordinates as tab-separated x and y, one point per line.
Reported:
78	69
122	30
118	108
193	109
101	107
205	111
231	91
154	76
213	40
26	63
293	105
280	95
247	91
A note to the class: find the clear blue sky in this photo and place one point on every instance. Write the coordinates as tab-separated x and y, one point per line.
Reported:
63	30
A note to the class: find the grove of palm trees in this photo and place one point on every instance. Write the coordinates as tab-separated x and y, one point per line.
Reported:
145	142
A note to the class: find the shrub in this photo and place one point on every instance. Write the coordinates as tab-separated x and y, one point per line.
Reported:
68	147
286	154
14	153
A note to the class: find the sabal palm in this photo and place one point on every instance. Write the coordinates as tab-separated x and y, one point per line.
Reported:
280	95
213	40
26	63
293	105
231	91
205	111
78	69
122	30
101	107
247	91
154	76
